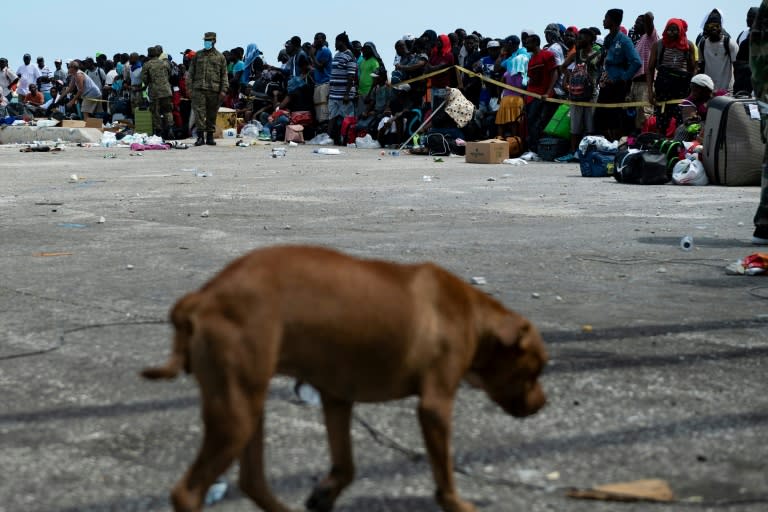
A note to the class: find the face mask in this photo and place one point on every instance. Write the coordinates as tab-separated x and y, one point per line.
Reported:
207	45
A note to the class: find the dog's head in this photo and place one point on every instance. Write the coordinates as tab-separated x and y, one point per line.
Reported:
507	366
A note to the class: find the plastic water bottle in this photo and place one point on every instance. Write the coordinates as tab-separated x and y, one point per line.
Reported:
274	134
686	243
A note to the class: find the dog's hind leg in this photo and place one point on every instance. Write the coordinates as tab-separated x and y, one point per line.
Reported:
338	419
226	411
252	479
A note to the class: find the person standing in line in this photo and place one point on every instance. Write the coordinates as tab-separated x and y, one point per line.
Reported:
28	74
156	76
758	62
208	77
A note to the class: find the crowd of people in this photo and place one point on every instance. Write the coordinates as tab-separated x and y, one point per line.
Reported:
618	81
507	79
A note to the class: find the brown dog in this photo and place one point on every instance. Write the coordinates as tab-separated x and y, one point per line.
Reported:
358	331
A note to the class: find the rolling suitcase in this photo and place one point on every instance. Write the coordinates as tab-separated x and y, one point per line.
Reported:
733	146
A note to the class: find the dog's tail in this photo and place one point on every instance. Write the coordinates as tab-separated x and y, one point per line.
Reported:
179	359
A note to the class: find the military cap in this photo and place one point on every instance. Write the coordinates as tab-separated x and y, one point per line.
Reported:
209	35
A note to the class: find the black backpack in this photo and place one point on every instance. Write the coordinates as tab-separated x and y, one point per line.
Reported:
641	168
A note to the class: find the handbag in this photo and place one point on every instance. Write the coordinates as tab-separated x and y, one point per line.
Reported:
302	117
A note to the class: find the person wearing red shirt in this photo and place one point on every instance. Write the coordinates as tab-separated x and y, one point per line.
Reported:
542	77
34	97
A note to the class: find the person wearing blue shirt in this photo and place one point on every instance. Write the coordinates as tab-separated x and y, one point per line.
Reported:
620	63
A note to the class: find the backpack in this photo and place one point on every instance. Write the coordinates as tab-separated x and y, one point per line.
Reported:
580	85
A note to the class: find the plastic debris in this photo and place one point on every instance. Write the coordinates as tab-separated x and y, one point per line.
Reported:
102	220
129	267
306	393
478	280
216	492
753	265
327	151
639	490
686	243
206	213
278	152
515	161
73	178
426	178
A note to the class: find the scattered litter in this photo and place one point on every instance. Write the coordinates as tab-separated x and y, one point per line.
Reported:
479	280
514	161
278	152
71	225
686	243
438	160
293	144
639	490
555	475
426	178
530	156
753	265
586	328
216	492
102	220
73	178
129	267
206	213
148	147
306	393
558	298
242	144
535	295
136	154
491	179
203	174
38	149
367	142
661	270
110	155
51	254
321	139
327	151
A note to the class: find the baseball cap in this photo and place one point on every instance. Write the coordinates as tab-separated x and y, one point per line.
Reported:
493	44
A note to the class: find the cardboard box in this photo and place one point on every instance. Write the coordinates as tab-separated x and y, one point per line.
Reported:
68	123
95	122
225	118
492	151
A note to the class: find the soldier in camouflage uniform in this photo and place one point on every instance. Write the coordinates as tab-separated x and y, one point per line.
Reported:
208	78
758	61
156	76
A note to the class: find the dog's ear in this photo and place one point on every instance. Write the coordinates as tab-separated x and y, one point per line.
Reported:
512	330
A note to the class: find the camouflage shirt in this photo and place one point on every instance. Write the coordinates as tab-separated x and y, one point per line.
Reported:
156	75
208	71
758	52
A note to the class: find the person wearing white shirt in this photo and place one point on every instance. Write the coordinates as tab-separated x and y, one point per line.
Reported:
28	74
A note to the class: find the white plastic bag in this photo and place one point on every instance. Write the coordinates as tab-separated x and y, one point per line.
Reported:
367	142
108	139
600	143
689	172
321	139
251	130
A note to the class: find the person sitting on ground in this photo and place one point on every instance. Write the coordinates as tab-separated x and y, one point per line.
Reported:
694	107
34	97
376	103
672	64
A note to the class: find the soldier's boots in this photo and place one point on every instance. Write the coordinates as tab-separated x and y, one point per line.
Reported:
209	139
200	139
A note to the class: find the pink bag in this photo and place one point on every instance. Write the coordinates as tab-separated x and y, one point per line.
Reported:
294	133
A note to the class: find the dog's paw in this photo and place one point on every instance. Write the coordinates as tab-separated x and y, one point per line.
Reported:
321	500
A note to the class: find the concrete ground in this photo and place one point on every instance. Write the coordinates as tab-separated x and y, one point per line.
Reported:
658	357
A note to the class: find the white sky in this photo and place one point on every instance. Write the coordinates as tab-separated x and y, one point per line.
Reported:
76	30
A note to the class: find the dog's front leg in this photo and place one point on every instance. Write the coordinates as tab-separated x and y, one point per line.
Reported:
435	409
338	419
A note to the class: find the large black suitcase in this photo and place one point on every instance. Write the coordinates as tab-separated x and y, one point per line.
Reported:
733	146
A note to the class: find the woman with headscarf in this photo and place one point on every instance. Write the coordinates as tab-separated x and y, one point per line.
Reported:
441	58
557	46
251	54
670	68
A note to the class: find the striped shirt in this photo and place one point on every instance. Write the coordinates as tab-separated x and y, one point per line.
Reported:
343	68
